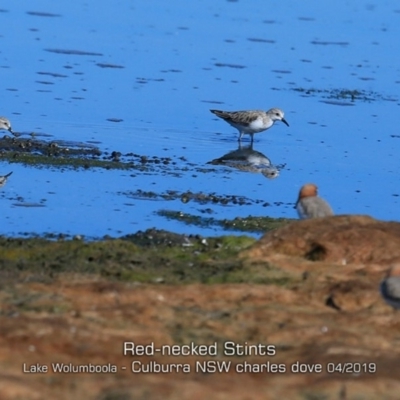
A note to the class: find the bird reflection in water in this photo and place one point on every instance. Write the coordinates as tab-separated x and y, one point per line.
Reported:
248	160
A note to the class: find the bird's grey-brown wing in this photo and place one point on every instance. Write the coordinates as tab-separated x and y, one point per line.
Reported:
237	117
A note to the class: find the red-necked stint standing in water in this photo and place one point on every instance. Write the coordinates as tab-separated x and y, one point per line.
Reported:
390	287
251	122
3	179
5	124
309	205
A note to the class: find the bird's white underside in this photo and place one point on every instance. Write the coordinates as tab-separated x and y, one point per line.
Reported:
256	126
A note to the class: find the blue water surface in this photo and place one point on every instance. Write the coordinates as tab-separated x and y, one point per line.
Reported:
141	76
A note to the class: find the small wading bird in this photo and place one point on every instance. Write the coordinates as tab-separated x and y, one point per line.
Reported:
390	287
309	205
251	122
3	179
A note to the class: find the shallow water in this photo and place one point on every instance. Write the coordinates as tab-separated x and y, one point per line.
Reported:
141	77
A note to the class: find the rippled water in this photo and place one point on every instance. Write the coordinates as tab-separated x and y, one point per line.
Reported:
140	77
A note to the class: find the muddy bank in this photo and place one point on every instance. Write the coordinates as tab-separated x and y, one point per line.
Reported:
231	317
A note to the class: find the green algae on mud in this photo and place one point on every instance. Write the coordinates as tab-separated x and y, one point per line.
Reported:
248	224
42	160
58	153
153	256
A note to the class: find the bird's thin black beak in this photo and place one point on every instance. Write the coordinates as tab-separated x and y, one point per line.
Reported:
284	121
